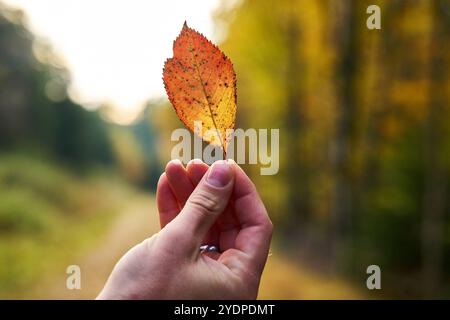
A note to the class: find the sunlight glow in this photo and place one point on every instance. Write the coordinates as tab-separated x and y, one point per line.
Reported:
115	49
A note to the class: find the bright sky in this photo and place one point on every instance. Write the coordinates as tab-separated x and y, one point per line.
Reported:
115	49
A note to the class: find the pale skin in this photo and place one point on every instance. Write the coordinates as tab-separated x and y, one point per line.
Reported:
197	205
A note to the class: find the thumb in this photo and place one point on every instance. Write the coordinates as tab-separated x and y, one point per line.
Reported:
206	203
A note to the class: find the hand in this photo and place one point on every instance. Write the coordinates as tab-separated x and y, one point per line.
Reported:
215	205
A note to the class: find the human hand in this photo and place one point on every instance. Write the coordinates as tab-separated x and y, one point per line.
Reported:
215	205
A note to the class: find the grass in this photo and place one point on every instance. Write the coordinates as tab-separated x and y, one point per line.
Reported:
285	279
47	215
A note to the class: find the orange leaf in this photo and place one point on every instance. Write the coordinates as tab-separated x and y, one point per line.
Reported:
201	85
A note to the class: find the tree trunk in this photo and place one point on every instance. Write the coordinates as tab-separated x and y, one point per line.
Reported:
342	196
436	175
296	166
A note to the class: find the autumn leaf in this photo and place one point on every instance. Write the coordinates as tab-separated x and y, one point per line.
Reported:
201	85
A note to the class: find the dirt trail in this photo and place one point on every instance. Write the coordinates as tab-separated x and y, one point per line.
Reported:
282	279
135	223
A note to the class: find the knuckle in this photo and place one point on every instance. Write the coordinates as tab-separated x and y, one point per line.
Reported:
205	203
269	227
149	242
266	223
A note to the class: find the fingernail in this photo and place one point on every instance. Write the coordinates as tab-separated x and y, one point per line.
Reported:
231	161
195	161
176	161
219	174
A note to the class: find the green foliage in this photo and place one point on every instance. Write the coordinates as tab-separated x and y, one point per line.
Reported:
17	216
48	214
35	112
34	175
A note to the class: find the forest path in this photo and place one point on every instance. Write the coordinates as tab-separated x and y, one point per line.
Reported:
282	278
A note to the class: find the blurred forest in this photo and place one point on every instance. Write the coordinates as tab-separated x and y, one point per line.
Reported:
364	124
364	119
64	171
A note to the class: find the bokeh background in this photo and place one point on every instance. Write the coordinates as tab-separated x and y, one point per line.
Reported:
364	119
